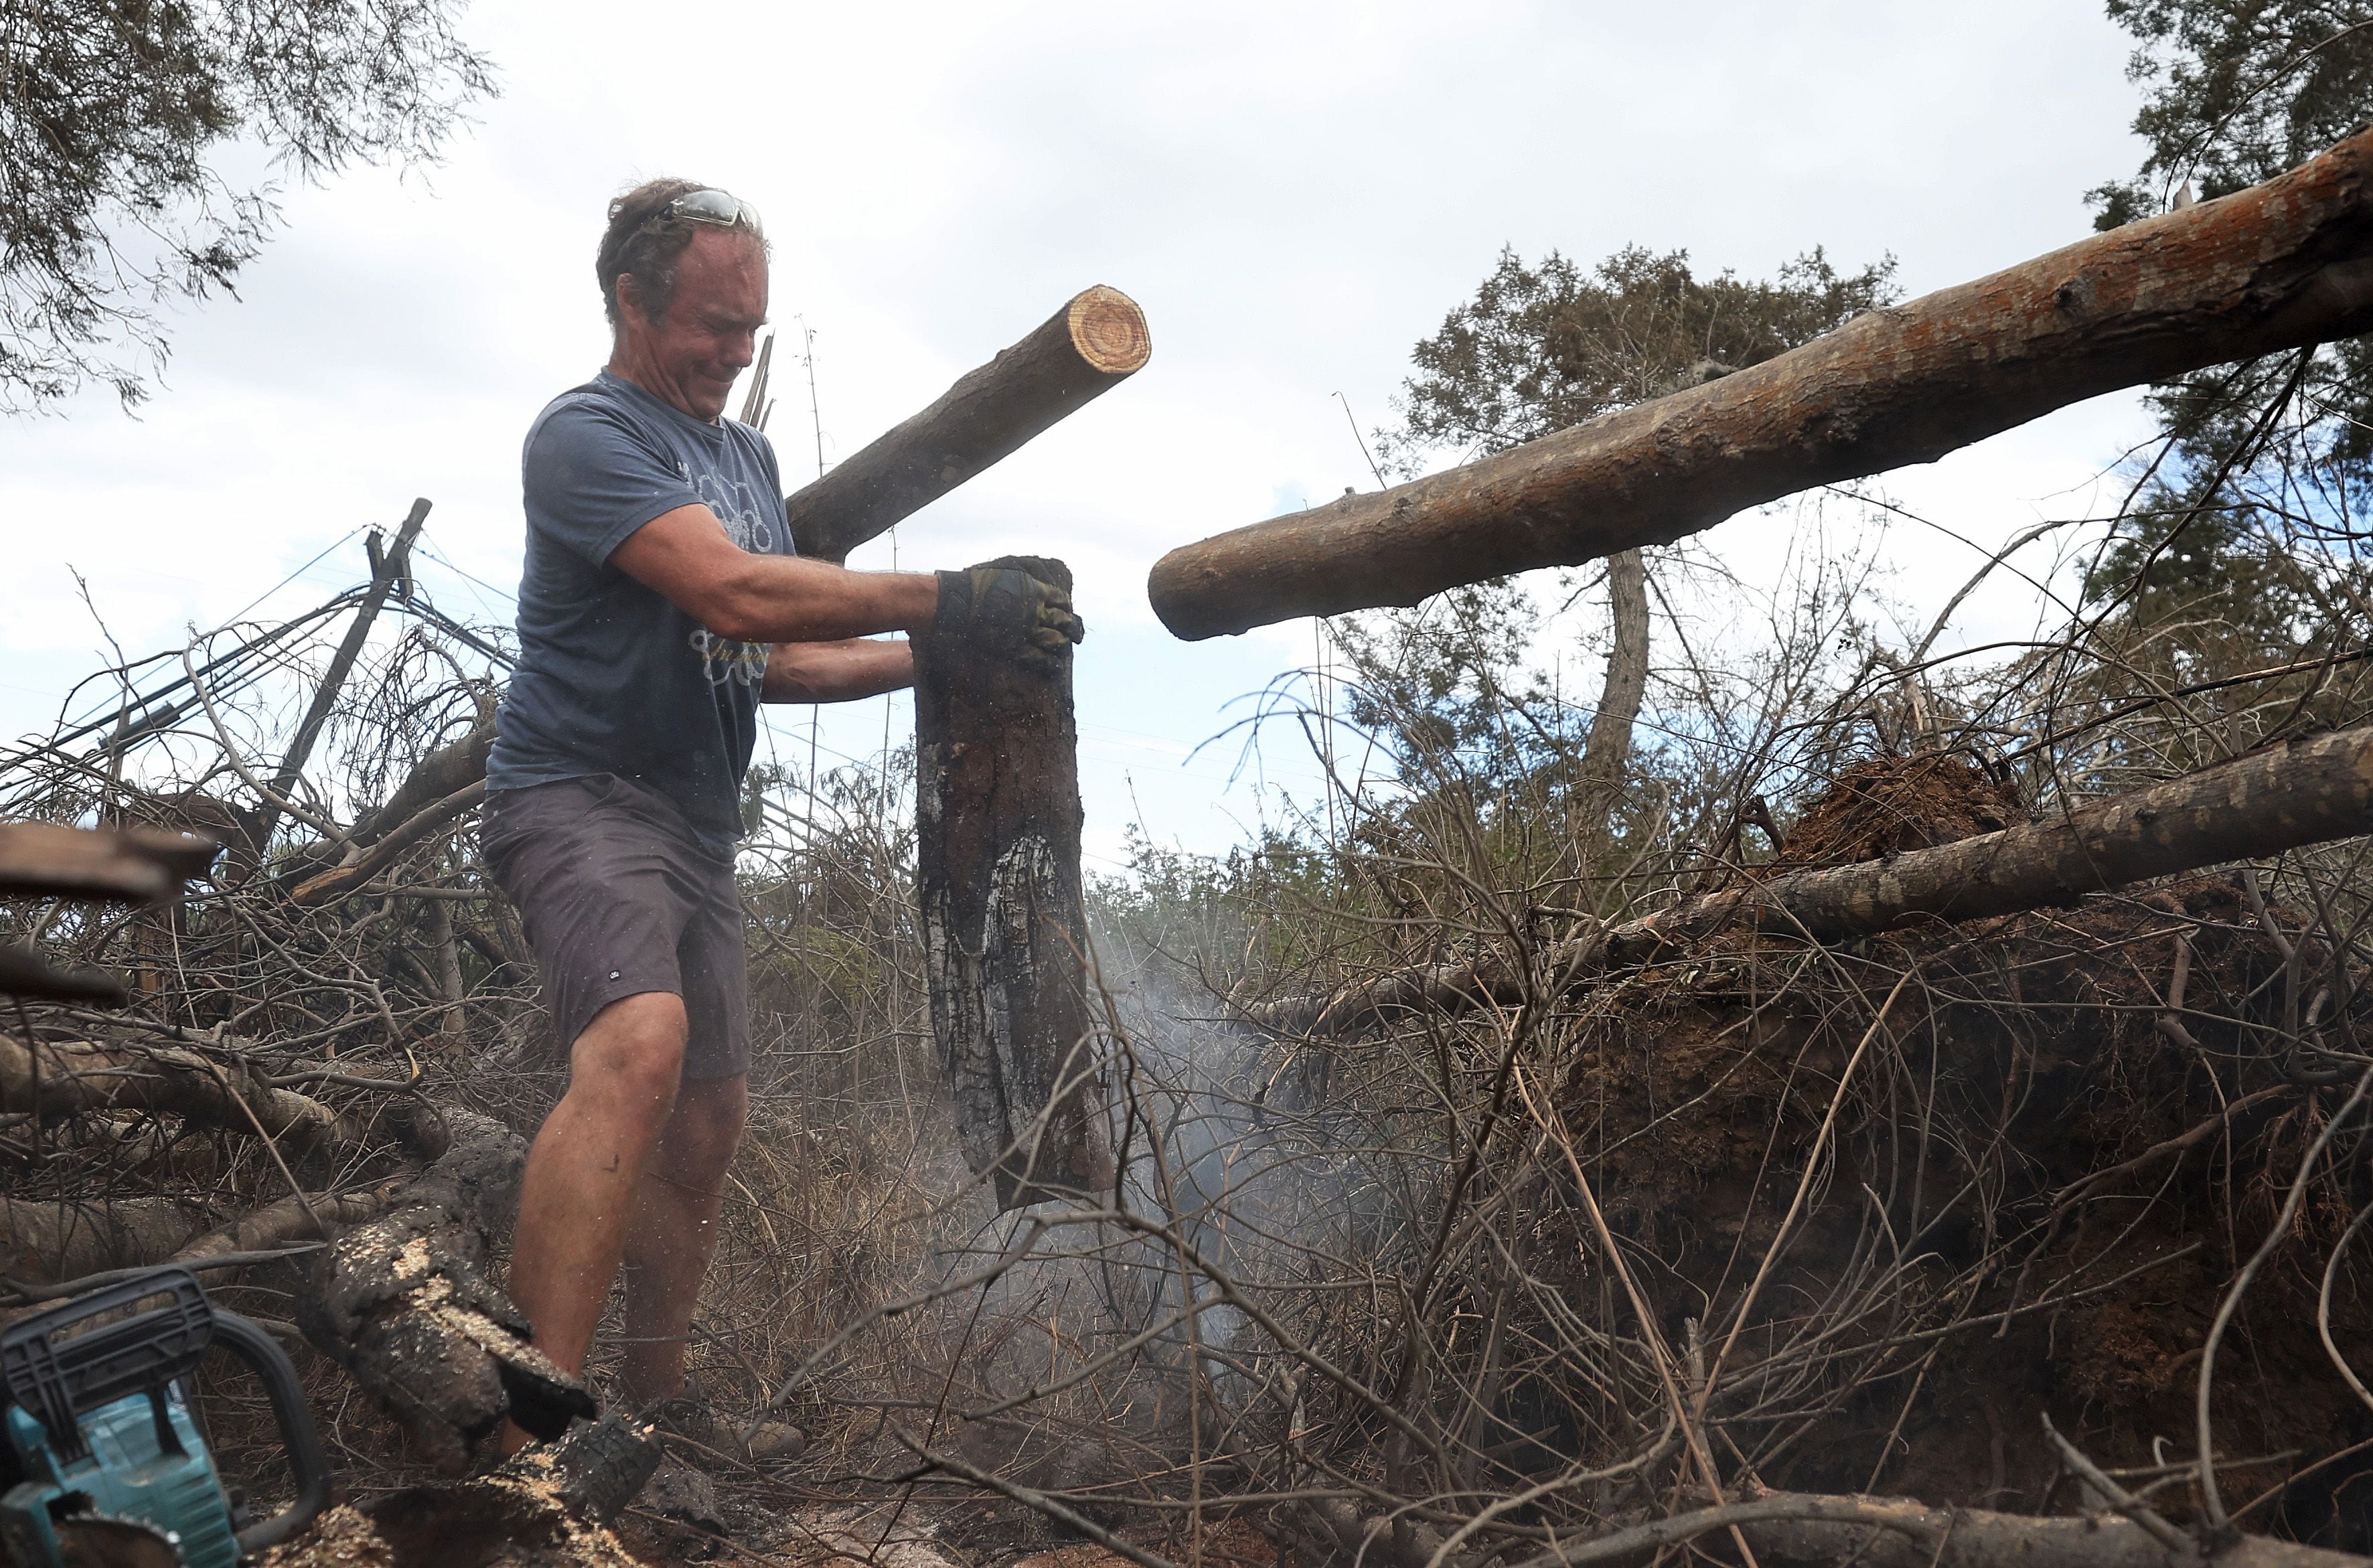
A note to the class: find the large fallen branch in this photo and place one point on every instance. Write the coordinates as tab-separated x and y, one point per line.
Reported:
69	1077
2275	266
403	1305
365	863
1090	346
2305	791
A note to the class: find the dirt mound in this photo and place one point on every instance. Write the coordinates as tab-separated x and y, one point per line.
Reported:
2069	1129
1888	804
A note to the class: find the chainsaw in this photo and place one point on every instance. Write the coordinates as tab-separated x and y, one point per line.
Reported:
103	1462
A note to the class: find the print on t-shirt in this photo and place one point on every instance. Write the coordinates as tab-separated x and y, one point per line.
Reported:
722	658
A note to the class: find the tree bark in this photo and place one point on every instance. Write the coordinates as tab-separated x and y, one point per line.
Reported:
1089	346
1608	749
2275	266
42	1242
403	1305
1005	931
2285	797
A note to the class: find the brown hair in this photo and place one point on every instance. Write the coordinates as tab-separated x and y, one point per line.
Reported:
643	239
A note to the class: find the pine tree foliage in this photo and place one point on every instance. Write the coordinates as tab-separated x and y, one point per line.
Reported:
1542	346
117	119
2237	91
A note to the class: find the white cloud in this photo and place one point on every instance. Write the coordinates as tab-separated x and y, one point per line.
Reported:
1295	192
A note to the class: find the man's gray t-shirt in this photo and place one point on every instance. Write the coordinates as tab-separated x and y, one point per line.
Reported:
612	678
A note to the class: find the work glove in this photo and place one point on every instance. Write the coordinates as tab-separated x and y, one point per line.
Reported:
1009	612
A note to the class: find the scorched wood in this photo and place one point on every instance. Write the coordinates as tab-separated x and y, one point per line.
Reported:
996	807
1090	346
2275	266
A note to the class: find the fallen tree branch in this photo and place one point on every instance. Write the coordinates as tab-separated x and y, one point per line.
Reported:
341	880
2301	793
68	1077
2278	266
1885	1532
403	1305
35	1294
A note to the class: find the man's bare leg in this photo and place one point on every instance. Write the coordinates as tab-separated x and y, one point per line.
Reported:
578	1192
674	1232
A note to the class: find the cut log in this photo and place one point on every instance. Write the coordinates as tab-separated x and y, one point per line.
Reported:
997	809
2287	796
2277	266
403	1305
133	864
1089	346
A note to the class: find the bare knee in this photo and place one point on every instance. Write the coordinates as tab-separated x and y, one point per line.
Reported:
705	1129
632	1054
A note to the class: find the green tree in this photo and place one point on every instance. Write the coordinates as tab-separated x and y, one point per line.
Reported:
115	118
2236	92
1542	346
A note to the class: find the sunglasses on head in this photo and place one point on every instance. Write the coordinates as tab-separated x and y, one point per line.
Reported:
718	207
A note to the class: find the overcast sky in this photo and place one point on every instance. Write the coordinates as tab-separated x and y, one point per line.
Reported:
1296	192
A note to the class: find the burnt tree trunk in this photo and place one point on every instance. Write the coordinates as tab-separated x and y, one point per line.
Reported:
997	809
1094	343
2275	266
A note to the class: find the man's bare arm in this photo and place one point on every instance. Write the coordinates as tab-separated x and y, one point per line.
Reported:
837	672
686	557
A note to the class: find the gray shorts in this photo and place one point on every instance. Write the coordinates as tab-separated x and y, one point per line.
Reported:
618	898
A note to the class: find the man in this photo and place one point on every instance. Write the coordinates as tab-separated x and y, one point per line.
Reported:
661	602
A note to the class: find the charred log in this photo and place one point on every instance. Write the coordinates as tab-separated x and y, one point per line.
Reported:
403	1305
1004	922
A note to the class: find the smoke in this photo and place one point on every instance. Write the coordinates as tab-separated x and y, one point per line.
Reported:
1253	1192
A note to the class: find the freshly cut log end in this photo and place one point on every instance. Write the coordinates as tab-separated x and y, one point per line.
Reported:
1097	341
1109	331
1005	938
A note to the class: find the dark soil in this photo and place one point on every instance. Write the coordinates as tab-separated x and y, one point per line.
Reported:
2024	1059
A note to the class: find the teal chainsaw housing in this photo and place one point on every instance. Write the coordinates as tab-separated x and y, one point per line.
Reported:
94	1422
142	1460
